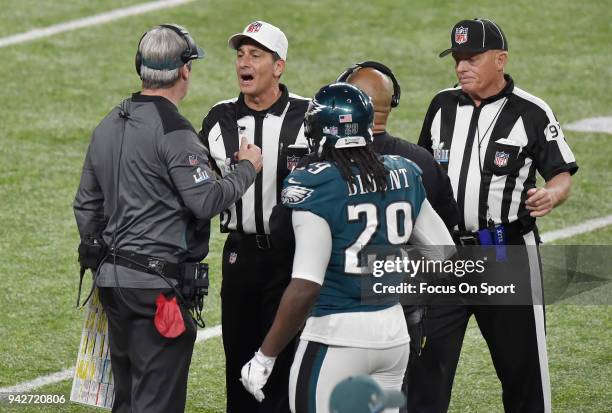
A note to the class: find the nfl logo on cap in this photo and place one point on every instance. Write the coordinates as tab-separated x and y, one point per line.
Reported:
254	27
461	35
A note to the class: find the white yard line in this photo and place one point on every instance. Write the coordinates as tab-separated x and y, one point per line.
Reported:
203	335
89	21
37	382
568	232
601	124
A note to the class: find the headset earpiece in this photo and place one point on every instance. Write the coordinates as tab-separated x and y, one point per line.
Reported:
138	58
186	55
397	91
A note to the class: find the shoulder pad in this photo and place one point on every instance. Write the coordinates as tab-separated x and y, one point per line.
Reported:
396	161
308	186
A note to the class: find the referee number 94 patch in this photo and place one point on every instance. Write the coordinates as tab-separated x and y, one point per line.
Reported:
553	131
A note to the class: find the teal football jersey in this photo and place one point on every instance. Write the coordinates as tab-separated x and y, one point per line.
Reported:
357	218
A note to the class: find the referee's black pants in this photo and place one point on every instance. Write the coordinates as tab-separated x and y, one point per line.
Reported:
254	280
515	336
149	371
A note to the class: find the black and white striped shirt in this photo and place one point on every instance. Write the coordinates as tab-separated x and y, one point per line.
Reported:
273	130
492	152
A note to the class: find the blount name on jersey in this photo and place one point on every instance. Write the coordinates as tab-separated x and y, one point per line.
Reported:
397	179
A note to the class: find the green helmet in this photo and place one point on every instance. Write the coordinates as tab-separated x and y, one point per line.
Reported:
341	115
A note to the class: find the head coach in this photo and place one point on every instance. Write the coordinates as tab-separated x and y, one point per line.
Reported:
147	193
492	137
254	274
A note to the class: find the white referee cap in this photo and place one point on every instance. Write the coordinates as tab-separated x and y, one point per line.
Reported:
266	34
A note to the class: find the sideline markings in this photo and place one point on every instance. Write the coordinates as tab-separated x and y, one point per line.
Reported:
89	21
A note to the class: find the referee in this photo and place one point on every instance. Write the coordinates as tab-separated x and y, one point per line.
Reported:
254	277
492	138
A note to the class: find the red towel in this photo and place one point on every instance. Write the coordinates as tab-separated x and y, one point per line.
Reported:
168	318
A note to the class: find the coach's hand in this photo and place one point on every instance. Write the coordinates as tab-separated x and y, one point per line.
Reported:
255	374
251	153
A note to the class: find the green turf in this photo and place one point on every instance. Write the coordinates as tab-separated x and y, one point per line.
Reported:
23	15
57	89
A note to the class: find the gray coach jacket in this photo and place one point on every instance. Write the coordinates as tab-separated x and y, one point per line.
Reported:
146	181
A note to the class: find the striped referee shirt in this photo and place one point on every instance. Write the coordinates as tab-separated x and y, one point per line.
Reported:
273	130
492	152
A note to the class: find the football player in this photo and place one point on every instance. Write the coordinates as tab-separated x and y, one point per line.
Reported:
346	198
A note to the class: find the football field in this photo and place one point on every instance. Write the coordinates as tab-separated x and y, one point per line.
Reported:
56	89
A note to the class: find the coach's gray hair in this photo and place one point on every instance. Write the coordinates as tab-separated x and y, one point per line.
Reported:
160	44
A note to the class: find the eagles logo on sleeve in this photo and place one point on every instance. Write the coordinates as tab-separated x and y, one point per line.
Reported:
295	194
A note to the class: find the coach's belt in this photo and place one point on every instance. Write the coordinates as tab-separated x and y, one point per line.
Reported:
145	263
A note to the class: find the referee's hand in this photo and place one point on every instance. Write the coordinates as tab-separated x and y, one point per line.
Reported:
251	153
540	201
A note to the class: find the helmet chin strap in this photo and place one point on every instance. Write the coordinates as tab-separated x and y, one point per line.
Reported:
321	143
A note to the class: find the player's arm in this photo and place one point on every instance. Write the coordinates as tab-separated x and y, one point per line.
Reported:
430	234
312	252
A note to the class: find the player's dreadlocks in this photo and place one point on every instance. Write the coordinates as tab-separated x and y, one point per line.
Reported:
371	168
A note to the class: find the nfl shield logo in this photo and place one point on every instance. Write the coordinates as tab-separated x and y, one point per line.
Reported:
253	27
292	162
193	160
501	158
232	257
461	35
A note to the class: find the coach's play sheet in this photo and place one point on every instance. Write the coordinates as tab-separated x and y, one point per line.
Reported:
93	382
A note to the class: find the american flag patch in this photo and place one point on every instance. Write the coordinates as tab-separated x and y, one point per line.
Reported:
345	118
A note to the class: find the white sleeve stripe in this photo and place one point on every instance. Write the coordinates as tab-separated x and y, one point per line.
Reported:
306	277
564	149
429	230
313	246
536	101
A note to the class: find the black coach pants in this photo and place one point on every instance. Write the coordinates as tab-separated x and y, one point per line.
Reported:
514	335
254	280
149	371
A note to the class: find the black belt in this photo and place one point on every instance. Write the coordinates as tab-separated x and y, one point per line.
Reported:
471	237
261	241
145	263
466	238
